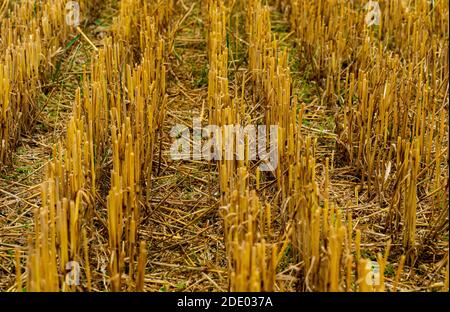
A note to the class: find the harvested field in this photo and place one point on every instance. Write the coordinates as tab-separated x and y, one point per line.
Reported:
224	145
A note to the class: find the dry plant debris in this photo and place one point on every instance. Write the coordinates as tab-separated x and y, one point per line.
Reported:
92	198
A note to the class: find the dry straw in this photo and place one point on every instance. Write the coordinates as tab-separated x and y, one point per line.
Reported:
120	108
386	87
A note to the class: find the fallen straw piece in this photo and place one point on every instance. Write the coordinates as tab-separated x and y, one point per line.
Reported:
87	39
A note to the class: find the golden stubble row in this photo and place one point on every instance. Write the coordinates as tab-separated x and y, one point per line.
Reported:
251	259
320	234
32	34
388	87
116	117
317	234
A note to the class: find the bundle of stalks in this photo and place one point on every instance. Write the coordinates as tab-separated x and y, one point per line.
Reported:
252	253
118	116
65	210
218	98
222	108
252	261
321	241
122	202
390	87
139	23
134	132
272	85
258	22
326	32
31	37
